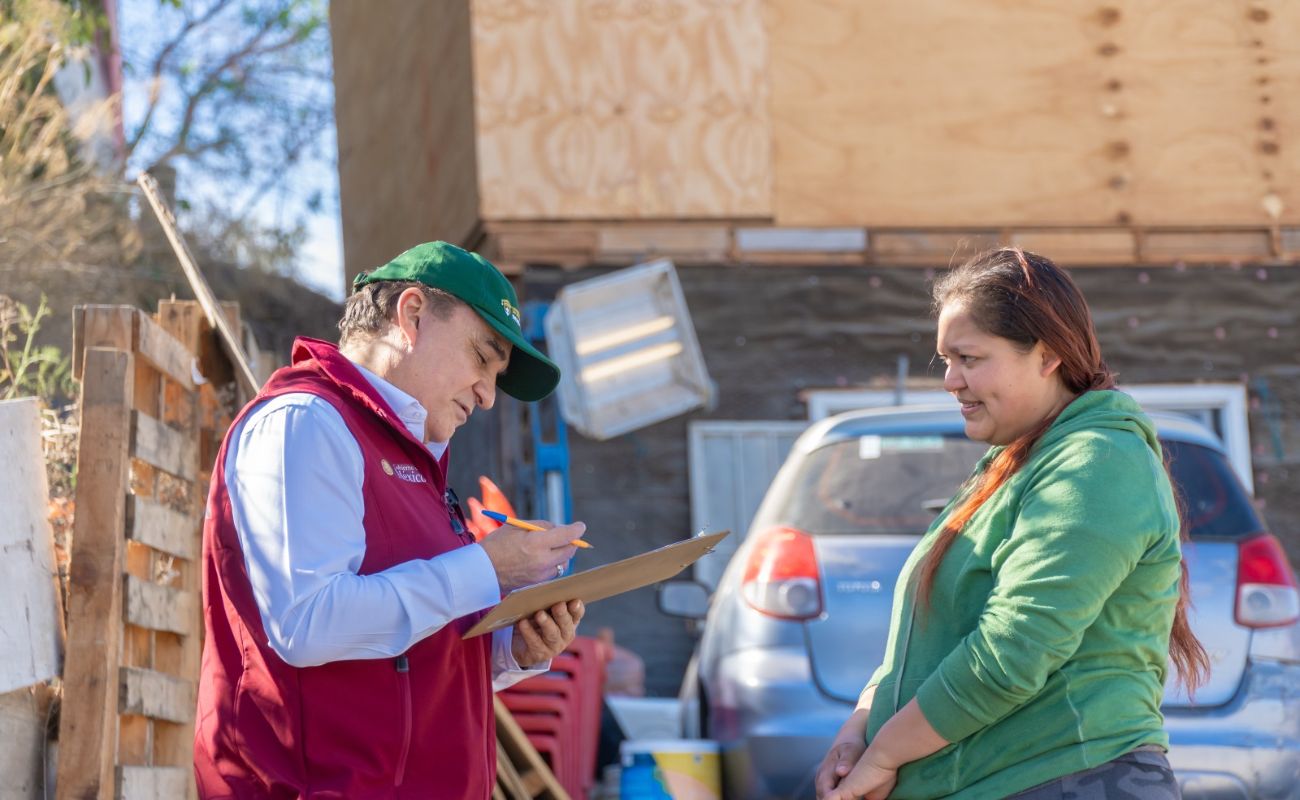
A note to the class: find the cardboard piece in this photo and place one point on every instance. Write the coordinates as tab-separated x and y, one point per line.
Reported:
599	582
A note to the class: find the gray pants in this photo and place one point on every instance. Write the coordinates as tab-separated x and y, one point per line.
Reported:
1143	774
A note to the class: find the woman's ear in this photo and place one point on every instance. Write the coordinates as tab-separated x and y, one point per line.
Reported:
1051	362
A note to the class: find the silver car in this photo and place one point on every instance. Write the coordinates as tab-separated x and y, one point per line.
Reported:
799	618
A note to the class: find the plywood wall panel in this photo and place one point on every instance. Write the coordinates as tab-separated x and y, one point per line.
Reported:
999	113
1213	112
598	109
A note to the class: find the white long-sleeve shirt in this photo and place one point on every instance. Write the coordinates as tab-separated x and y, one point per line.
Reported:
294	474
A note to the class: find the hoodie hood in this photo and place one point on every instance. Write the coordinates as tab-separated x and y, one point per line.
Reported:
1101	408
1104	408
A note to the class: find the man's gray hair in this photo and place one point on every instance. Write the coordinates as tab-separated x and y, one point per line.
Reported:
370	310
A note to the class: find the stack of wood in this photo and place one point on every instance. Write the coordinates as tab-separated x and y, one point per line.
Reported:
149	423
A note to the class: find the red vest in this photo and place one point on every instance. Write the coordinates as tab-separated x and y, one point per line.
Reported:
418	726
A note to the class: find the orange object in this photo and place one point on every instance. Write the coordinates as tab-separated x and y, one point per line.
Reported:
478	524
493	497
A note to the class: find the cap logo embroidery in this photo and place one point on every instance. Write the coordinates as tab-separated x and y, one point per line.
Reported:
511	311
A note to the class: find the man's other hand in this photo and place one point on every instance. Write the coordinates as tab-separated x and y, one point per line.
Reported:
545	634
522	558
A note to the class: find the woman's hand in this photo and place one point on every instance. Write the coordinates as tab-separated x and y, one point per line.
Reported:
839	761
868	780
847	748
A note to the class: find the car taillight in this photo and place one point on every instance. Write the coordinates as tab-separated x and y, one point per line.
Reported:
781	577
1266	587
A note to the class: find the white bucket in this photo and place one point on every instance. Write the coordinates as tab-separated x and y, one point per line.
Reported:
670	769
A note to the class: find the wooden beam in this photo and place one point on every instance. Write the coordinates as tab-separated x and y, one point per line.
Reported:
152	783
164	352
163	447
202	291
1214	245
696	243
127	328
162	528
100	326
159	608
155	694
1080	245
88	722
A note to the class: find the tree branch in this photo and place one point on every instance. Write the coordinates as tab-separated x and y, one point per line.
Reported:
161	62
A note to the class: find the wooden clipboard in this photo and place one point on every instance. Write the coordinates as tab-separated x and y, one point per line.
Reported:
599	582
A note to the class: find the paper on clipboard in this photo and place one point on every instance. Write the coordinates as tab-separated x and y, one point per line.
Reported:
599	582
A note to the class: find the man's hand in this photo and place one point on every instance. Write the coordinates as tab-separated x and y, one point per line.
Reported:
522	558
545	634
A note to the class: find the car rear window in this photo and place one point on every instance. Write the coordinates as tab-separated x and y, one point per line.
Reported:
1214	504
894	485
875	484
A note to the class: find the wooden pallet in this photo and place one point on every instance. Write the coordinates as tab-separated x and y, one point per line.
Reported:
134	616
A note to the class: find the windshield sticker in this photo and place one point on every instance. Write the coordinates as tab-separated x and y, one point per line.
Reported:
868	447
872	447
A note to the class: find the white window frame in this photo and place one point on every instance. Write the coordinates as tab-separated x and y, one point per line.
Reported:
1223	407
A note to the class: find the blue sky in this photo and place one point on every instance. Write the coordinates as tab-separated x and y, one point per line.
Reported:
144	24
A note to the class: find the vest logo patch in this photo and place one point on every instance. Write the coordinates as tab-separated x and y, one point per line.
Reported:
388	468
409	473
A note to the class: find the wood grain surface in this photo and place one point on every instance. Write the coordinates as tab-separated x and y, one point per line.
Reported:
929	113
587	108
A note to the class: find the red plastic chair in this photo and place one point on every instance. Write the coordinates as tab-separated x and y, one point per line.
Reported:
567	763
550	750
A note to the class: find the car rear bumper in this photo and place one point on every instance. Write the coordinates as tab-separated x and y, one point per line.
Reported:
1246	749
773	724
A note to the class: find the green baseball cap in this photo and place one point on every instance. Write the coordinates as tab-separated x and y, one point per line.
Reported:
472	278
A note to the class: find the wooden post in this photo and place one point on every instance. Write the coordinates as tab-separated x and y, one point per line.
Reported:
175	744
88	739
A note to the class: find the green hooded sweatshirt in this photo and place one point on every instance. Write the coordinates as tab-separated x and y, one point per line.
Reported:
1045	646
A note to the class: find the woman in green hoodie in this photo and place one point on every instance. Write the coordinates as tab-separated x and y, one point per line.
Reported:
1033	624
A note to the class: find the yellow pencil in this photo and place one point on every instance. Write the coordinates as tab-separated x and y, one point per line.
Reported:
528	526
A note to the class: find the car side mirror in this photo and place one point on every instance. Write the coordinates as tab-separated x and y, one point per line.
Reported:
688	599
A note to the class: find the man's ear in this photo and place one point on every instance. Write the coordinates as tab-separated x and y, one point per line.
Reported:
410	304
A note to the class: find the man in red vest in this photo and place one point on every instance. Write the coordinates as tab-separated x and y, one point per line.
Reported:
338	572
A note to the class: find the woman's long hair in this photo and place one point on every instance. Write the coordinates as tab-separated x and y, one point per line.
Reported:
1027	299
